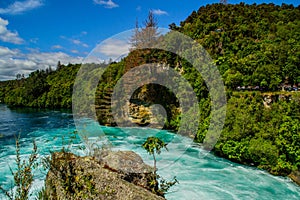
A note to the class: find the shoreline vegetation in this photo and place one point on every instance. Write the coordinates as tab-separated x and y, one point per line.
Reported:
99	174
252	45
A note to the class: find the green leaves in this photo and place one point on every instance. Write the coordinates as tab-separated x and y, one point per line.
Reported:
261	42
265	137
23	176
158	185
154	145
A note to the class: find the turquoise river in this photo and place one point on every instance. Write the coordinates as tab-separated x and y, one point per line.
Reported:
201	175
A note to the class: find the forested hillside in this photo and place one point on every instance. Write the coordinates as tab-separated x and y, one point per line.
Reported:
42	89
254	46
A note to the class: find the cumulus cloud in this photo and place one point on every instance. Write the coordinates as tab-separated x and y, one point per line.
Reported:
12	61
7	35
4	51
106	4
45	59
113	48
19	7
159	12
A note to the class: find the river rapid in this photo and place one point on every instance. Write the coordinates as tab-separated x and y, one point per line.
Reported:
201	175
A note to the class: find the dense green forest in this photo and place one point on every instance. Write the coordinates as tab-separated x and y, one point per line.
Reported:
43	88
252	46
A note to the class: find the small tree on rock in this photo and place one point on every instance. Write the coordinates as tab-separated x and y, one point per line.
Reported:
154	145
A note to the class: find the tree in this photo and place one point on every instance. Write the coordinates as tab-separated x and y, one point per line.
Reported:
18	76
173	27
135	37
154	145
59	65
147	36
151	21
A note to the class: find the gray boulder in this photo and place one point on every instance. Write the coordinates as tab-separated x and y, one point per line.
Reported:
73	177
129	165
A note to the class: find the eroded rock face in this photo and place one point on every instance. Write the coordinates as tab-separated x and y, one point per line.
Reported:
295	176
124	162
74	177
129	165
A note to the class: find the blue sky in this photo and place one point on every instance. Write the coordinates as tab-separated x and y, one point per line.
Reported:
35	34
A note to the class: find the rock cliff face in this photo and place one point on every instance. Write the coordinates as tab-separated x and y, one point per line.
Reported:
295	176
139	102
113	175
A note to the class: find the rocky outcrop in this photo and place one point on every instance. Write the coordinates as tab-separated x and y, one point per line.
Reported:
139	114
111	176
103	107
295	176
128	165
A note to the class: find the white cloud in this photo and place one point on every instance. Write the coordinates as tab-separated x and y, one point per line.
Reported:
56	47
113	48
159	12
93	59
32	50
75	51
106	4
13	61
75	41
4	51
78	42
7	35
45	59
19	7
139	8
34	40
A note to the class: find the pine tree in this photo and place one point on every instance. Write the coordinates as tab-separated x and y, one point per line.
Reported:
147	36
135	37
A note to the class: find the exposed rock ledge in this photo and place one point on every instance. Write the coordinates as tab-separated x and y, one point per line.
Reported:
109	175
295	176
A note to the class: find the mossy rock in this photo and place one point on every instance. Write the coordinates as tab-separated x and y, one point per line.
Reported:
73	177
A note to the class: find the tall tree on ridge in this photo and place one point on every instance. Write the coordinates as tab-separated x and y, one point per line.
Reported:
147	36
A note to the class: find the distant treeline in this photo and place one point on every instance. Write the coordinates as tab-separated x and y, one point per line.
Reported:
42	89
